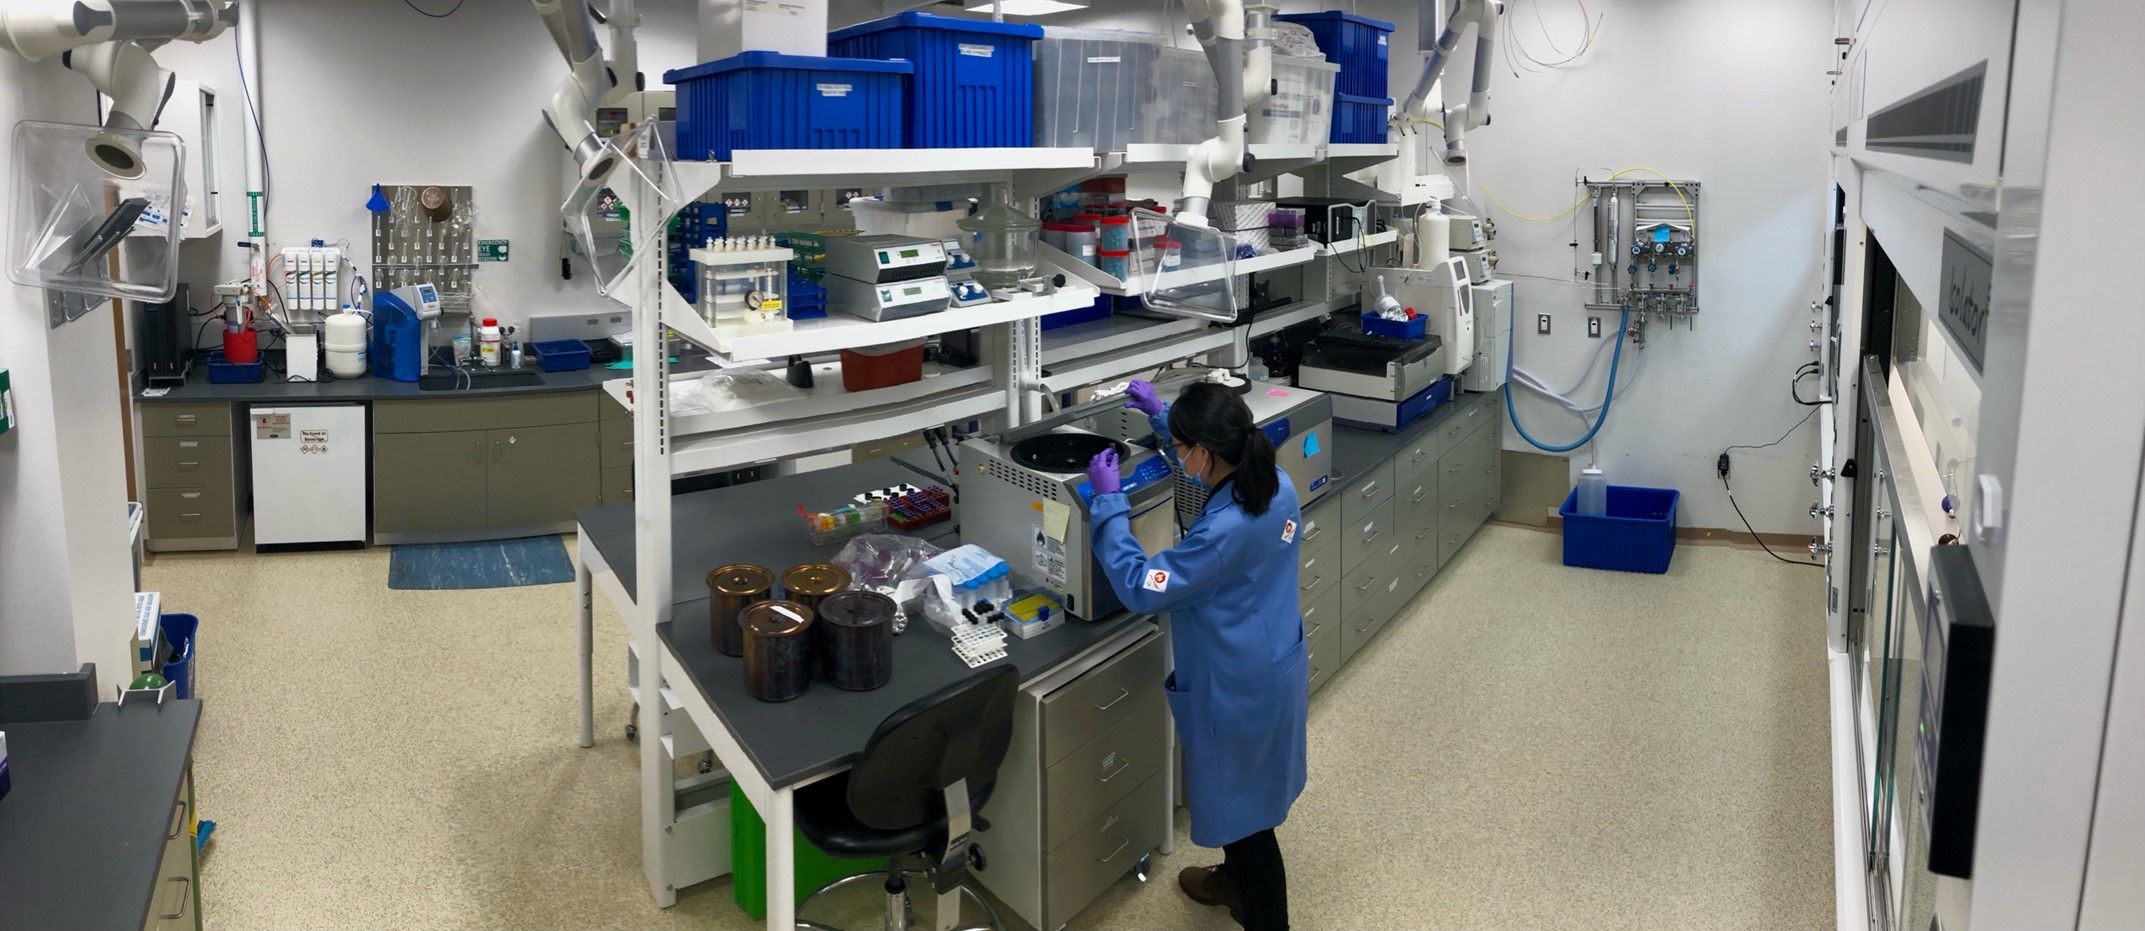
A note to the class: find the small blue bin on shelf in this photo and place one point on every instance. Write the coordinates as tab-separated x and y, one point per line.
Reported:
176	661
223	372
1100	310
974	85
1638	534
1360	119
763	100
1415	327
560	355
1356	43
807	298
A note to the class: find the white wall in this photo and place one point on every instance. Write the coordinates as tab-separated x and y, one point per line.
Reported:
66	586
367	91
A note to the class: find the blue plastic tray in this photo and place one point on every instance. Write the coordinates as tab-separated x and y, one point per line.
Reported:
1415	327
560	355
762	100
975	80
1356	43
232	373
1638	534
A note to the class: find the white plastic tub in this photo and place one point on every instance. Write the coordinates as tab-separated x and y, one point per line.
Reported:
1301	108
1105	89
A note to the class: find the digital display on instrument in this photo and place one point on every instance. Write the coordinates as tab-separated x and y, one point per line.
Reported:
910	253
912	292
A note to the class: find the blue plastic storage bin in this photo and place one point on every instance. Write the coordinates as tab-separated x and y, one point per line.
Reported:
762	100
1360	119
974	84
1637	535
560	355
807	298
177	661
1415	327
1100	310
222	372
1356	43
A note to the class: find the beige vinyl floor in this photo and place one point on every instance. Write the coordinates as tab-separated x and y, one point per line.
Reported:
1529	747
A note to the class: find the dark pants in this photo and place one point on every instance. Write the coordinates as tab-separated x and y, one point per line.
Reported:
1254	865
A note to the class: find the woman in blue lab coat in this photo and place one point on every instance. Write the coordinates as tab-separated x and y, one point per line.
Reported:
1241	686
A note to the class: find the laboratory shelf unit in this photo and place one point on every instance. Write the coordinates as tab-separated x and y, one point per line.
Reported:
1112	349
1109	284
813	169
837	331
1280	318
1359	243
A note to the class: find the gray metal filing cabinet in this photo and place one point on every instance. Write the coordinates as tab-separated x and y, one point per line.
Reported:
1398	522
1082	796
189	465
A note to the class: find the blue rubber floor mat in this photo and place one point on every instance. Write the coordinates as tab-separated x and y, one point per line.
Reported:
486	564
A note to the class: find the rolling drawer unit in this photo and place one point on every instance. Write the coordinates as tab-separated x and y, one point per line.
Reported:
1083	794
483	468
1407	510
190	472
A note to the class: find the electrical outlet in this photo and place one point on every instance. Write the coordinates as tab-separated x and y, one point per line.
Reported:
1541	324
1593	327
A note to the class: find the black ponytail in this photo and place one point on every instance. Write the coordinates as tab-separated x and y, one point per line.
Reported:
1212	416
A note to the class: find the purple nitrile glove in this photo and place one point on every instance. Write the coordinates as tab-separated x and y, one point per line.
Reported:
1102	473
1140	396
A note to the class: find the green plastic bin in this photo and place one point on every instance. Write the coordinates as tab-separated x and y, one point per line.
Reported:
748	860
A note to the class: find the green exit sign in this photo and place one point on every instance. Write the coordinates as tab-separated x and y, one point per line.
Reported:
491	250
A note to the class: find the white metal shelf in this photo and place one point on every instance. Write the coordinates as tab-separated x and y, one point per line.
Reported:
1281	318
1108	350
840	331
1110	284
815	169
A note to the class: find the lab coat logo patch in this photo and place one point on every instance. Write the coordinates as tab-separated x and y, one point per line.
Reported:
1288	531
1157	581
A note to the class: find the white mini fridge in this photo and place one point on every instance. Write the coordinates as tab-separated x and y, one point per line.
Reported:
308	473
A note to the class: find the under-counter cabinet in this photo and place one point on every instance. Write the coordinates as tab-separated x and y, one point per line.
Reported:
483	468
189	466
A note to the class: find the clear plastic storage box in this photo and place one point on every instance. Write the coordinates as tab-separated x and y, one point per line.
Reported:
1300	112
1106	89
70	217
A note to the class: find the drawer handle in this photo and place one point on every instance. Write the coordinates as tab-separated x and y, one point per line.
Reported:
188	419
1369	489
189	515
1422	533
1112	855
1455	467
189	465
1418	496
1366	585
1312	531
1315	628
1453	506
1307	586
1363	628
186	890
1314	673
1371	534
1420	452
1122	765
178	819
1112	703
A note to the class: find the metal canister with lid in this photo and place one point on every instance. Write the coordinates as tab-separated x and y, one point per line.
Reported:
731	589
777	639
857	631
807	584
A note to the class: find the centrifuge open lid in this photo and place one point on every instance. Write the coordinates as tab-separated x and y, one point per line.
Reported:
1063	451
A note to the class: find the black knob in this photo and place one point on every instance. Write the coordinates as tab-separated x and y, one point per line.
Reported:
1250	161
1057	281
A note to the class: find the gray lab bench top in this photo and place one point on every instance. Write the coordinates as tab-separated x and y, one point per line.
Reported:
825	728
1357	451
369	388
82	832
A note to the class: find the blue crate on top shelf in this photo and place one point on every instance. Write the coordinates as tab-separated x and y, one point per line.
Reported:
763	100
1356	43
974	84
1360	119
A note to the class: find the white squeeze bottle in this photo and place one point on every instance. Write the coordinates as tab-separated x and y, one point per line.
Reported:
1593	492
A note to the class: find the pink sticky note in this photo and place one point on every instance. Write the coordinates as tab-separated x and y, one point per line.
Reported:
1276	393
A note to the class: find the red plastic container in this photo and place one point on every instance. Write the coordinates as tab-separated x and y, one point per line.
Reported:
882	366
242	347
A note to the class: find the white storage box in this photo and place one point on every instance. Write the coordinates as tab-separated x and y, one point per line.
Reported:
1236	215
874	216
1106	89
1300	112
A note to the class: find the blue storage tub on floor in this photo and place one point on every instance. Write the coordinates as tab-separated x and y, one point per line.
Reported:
177	663
1356	43
974	84
762	100
1360	119
1637	535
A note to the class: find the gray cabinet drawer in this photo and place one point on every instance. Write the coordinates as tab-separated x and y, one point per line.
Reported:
1364	493
1415	507
184	513
186	419
1467	415
618	485
1419	457
1104	850
608	408
1321	523
1317	572
617	439
1325	654
1091	704
1358	623
187	461
1322	614
1367	533
1103	772
451	414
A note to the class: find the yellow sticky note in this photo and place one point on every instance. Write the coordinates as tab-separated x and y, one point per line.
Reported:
1056	517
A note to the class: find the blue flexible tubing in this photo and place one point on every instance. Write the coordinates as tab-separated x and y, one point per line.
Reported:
1608	394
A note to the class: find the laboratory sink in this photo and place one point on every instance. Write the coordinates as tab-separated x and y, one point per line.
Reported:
470	379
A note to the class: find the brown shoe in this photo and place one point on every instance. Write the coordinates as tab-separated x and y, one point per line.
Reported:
1208	885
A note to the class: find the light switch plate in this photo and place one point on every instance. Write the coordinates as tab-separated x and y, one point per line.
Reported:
1541	324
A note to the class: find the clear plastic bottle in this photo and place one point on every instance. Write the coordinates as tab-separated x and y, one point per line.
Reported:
1593	493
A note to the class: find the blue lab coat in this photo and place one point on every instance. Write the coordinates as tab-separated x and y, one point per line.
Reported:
1241	688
